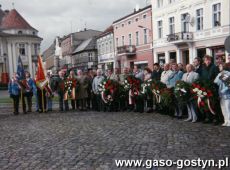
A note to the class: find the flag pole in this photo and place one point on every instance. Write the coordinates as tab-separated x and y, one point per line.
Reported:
22	101
42	101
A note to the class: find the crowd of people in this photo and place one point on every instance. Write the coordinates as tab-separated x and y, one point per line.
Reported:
82	92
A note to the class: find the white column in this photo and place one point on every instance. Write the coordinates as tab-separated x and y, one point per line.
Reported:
226	56
178	56
208	51
155	58
191	53
10	59
167	59
30	59
15	58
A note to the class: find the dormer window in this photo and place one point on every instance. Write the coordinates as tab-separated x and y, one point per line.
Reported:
20	32
34	33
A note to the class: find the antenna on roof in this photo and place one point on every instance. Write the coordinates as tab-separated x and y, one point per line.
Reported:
13	5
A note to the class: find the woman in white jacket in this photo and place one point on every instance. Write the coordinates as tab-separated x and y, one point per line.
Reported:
189	77
224	92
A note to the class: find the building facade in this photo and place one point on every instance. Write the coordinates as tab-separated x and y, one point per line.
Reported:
85	55
106	50
133	39
66	46
17	38
185	29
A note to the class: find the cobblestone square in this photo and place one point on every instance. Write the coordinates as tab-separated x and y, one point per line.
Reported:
93	140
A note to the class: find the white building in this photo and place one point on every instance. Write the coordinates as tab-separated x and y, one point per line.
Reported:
106	51
185	29
17	37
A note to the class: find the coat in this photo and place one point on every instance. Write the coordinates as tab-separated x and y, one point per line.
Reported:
190	77
83	87
224	90
156	75
173	78
14	88
60	83
209	73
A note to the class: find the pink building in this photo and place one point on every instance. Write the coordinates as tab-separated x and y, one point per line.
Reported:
133	39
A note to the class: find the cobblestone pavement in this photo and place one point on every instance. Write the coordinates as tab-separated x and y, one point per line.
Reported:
93	140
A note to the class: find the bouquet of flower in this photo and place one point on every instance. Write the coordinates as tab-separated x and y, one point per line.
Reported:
182	92
205	95
70	86
109	90
156	88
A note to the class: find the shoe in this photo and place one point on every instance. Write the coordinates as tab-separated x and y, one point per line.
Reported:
187	120
16	113
193	121
224	124
207	121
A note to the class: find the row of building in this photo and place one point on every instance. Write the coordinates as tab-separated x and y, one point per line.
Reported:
167	29
164	30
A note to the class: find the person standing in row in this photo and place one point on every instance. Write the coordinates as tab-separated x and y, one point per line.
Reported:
61	90
95	87
82	91
191	77
28	92
14	91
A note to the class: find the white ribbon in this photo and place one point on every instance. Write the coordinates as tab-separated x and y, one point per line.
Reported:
158	97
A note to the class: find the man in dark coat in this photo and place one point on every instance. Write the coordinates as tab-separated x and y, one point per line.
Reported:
209	73
156	74
61	90
197	65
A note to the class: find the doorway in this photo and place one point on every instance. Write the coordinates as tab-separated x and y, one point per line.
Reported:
185	57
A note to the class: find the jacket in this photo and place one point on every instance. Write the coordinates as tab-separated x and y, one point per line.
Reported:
224	90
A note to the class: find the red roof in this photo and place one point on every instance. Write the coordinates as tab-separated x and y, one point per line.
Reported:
13	20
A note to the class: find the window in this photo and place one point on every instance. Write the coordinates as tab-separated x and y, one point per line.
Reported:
99	49
123	40
217	15
159	3
130	39
110	46
122	25
19	32
145	36
171	1
90	57
184	23
137	38
117	42
22	50
129	22
199	19
171	25
106	48
36	49
144	16
137	19
160	29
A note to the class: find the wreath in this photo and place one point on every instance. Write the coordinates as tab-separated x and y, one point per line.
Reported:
204	92
157	87
182	92
109	90
69	88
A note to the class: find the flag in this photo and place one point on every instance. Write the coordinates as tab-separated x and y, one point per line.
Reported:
20	70
41	78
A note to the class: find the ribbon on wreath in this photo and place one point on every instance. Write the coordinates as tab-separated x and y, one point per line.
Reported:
157	96
105	98
199	100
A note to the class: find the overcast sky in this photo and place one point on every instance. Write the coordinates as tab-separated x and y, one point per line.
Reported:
54	17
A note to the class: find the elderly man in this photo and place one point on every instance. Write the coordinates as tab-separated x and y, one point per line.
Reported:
138	73
165	74
95	87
